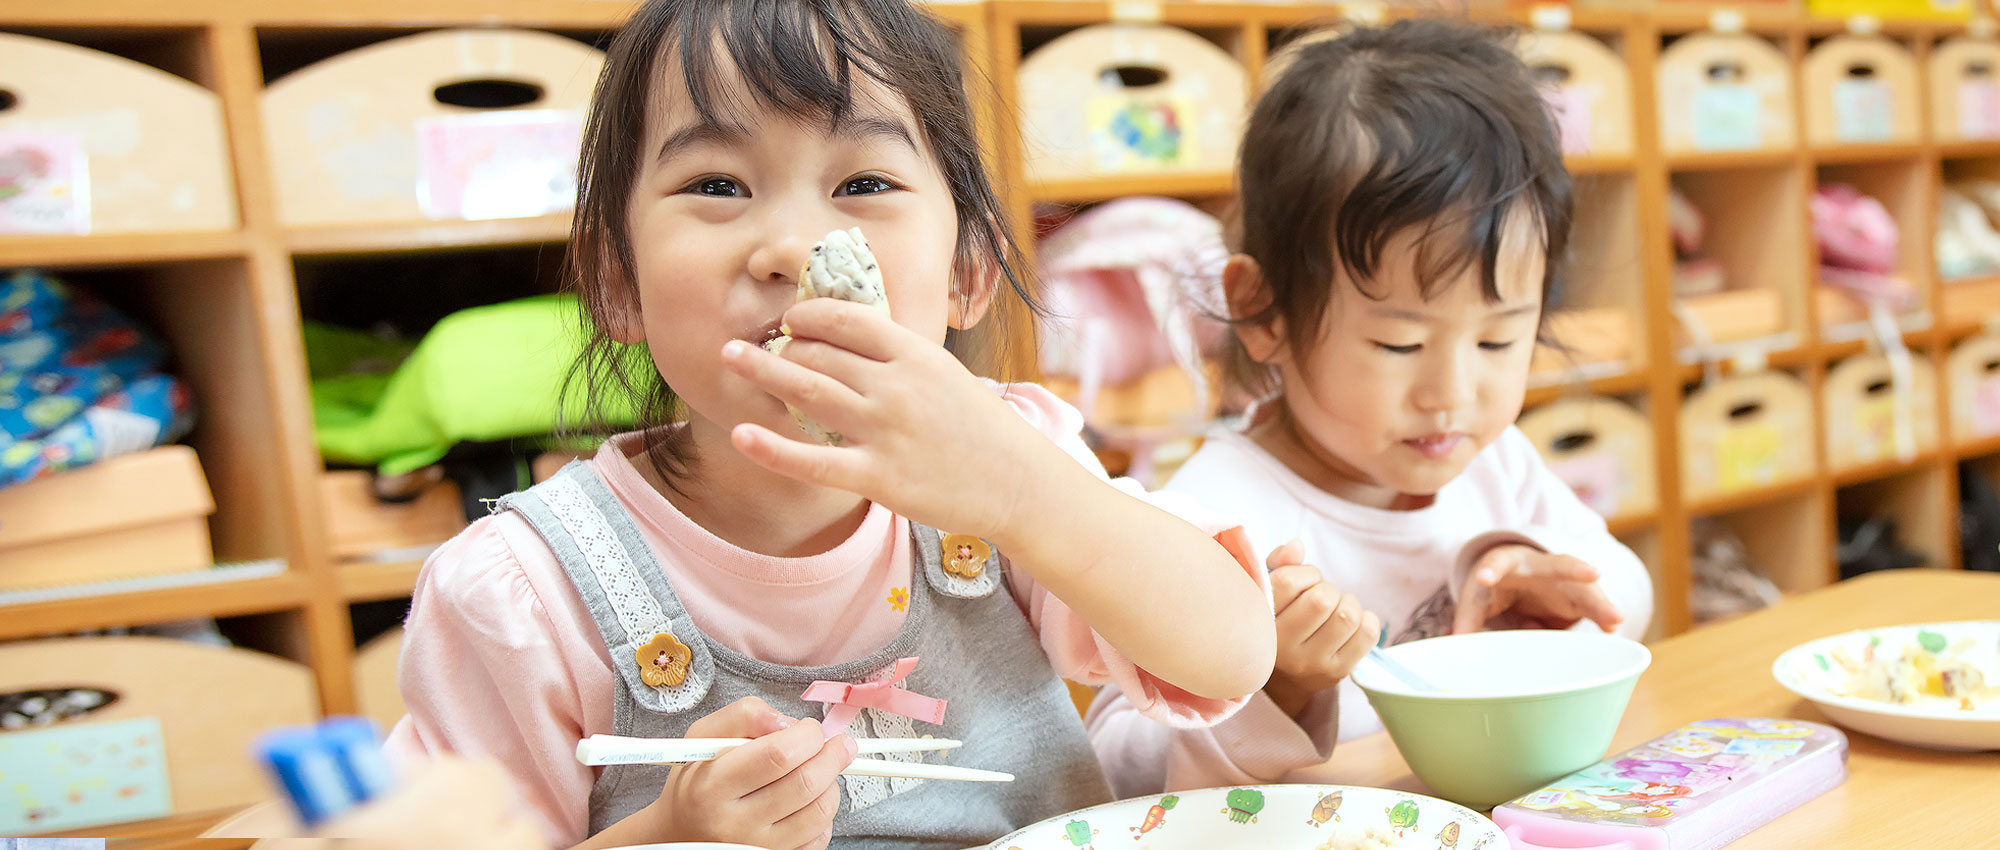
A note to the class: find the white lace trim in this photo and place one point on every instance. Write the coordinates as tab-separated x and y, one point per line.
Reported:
866	791
617	574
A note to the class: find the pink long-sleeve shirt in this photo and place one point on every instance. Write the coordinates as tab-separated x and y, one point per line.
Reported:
502	659
1406	566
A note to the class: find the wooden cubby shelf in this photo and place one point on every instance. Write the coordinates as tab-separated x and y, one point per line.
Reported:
229	303
369	582
427	236
1731	160
1977	449
1751	498
1883	469
261	595
1096	189
120	249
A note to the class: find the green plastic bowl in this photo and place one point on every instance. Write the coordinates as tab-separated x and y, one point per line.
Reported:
1518	709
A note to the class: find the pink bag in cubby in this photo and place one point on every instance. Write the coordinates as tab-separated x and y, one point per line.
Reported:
1134	286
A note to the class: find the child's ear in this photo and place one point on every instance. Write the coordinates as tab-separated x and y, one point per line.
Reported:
1243	285
972	295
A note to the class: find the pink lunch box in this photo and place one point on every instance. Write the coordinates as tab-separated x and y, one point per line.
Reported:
1696	788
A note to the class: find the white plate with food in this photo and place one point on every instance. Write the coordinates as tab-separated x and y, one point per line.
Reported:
1929	684
1266	817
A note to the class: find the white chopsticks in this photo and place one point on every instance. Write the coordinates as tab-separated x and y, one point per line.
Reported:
618	749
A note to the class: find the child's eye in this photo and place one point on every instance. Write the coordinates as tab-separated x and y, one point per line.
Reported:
1497	346
1398	349
717	187
866	186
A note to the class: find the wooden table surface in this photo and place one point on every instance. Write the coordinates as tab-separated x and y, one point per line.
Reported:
1896	796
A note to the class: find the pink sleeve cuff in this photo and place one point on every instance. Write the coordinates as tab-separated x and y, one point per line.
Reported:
1263	741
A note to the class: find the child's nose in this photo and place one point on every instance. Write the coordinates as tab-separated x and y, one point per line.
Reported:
1449	385
778	257
784	245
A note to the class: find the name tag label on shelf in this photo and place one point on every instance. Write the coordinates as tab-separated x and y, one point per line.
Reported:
71	776
1978	109
489	165
44	183
1728	116
1572	108
1863	110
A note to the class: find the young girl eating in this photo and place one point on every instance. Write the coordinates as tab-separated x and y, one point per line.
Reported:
1405	214
933	570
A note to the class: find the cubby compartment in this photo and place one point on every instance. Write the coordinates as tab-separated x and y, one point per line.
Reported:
1977	507
1785	538
1603	449
1725	92
461	124
1117	100
1750	556
1967	243
1745	433
390	341
1972	384
1126	336
1899	521
207	314
100	142
1861	90
1879	409
1964	83
1898	275
1597	326
1754	238
1588	89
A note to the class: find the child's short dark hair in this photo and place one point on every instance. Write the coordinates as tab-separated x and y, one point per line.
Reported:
798	57
1427	124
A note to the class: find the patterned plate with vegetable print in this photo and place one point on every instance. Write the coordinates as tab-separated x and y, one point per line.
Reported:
1266	817
1929	684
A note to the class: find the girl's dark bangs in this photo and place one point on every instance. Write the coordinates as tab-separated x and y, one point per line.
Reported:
795	58
1444	171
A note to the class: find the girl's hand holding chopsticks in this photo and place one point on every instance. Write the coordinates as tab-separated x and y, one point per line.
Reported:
777	791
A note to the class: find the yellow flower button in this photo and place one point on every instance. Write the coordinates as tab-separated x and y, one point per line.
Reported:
664	662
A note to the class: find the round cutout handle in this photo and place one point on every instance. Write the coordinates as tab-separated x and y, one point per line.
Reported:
1574	441
1727	71
1129	75
488	93
8	100
1551	74
41	706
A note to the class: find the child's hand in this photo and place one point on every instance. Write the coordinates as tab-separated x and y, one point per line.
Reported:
1554	591
922	436
1322	633
777	791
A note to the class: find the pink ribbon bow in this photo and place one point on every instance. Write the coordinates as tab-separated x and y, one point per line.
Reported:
845	701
